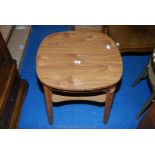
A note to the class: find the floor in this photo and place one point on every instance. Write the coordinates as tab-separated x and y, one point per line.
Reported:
84	115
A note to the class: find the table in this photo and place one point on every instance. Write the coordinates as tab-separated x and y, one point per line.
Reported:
77	65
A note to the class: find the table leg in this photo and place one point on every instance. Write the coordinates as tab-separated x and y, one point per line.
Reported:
142	76
108	103
49	105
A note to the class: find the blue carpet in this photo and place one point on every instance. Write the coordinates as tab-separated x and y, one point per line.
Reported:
126	104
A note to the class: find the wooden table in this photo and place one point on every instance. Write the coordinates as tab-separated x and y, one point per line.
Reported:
78	66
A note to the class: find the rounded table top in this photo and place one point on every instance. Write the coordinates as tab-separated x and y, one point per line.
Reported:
78	61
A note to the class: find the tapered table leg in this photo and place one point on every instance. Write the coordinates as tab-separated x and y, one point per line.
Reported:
49	104
142	76
108	103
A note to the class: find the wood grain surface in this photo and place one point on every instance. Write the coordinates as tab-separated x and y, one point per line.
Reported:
78	61
7	73
98	98
133	38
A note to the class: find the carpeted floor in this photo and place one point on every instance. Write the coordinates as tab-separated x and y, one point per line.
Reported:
126	104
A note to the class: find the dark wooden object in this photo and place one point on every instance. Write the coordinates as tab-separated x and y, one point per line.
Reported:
12	89
148	121
150	75
132	38
4	52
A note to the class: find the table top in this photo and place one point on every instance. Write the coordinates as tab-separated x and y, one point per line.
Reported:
78	61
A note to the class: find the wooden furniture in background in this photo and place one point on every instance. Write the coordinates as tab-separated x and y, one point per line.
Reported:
12	89
148	121
148	73
78	66
16	38
89	28
132	38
